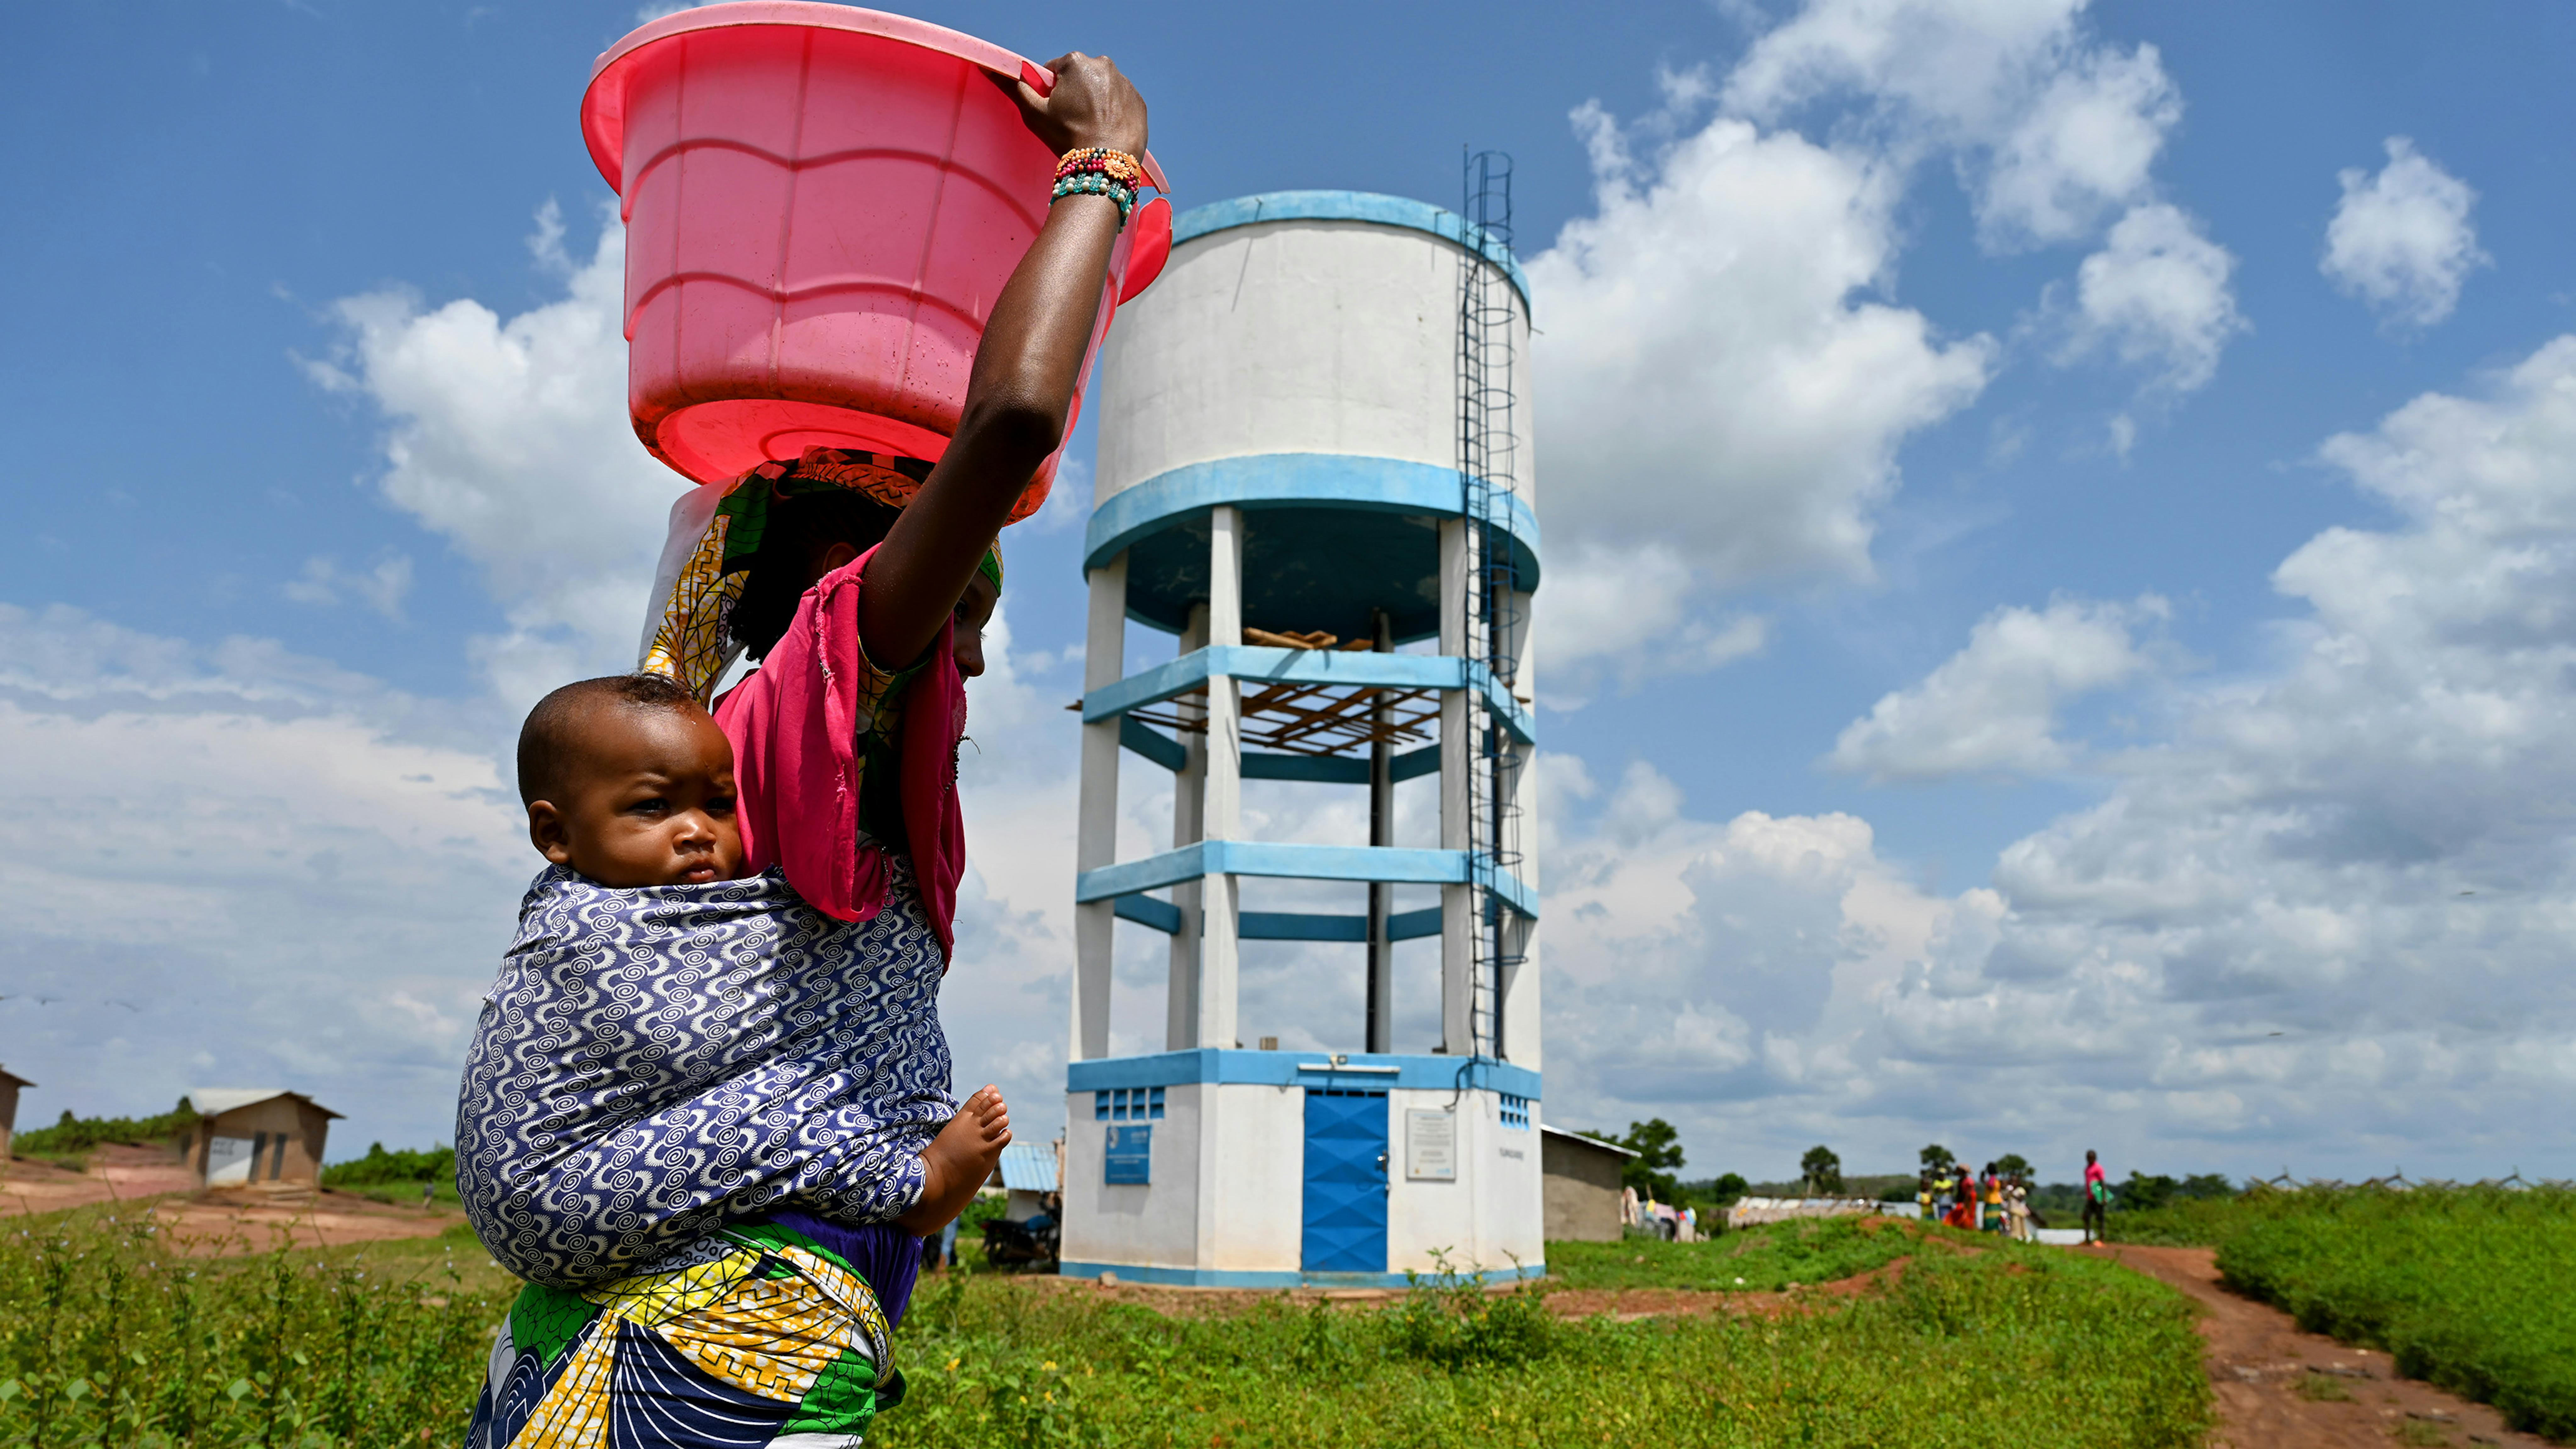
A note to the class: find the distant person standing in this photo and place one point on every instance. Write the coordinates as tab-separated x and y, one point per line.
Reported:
2017	1203
1923	1198
2097	1197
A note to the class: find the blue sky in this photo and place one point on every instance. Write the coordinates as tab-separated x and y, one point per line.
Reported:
2092	492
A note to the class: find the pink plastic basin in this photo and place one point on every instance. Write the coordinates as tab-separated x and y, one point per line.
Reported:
821	204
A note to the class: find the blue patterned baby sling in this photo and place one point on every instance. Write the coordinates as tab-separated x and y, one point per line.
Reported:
654	1064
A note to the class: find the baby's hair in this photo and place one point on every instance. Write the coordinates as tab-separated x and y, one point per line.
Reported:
547	740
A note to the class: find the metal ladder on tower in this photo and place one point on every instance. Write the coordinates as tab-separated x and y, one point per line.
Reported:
1489	469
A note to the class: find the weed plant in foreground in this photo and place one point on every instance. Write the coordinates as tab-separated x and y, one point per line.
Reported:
2068	1351
1759	1260
110	1335
2471	1288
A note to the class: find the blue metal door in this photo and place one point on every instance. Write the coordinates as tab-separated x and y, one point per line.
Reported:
1345	1182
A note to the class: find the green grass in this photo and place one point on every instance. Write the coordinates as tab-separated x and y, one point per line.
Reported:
107	1336
2068	1351
407	1194
2473	1289
1766	1258
2186	1223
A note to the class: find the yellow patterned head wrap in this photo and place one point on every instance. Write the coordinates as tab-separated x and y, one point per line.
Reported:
715	534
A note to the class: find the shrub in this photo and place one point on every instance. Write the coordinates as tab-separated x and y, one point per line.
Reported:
1450	1320
433	1164
70	1140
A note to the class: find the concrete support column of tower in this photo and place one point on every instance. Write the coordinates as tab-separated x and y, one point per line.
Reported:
1189	826
1096	840
1457	760
1222	809
1379	1031
1520	995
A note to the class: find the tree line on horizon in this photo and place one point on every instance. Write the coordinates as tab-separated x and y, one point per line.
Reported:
1655	1172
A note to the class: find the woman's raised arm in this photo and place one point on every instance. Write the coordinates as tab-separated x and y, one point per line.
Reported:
1021	390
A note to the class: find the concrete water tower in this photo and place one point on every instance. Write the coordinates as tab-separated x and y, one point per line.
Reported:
1315	470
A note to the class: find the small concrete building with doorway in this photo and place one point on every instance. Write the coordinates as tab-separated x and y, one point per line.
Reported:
257	1135
1581	1177
9	1085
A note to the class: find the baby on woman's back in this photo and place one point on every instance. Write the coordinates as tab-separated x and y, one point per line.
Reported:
672	1048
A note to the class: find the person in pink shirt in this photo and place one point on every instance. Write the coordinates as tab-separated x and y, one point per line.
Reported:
2097	1196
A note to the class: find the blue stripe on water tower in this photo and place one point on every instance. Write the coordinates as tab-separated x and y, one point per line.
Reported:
1411	1072
1368	206
1289	480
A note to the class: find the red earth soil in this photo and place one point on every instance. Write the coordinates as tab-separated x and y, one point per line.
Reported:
2269	1377
212	1223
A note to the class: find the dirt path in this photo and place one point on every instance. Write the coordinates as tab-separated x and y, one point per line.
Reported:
211	1225
216	1223
115	1173
2279	1388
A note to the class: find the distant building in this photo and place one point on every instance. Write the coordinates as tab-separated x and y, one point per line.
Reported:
9	1085
249	1135
1582	1184
1753	1212
1029	1171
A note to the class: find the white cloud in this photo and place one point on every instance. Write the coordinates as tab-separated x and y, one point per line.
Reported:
2401	240
257	869
2085	145
1992	707
1685	460
510	439
1696	969
1756	450
382	588
1624	615
2052	128
2157	297
2322	922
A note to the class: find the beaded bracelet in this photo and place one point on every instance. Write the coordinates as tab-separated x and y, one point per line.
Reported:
1094	183
1118	166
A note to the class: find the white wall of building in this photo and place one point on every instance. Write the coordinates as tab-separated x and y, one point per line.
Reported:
1261	1172
1492	1212
1155	1225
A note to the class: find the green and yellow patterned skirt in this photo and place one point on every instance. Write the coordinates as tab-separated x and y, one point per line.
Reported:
755	1336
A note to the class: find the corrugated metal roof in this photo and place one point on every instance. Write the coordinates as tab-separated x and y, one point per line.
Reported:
1029	1167
1586	1141
216	1101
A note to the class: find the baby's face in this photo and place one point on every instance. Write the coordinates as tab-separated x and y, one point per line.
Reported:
648	800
